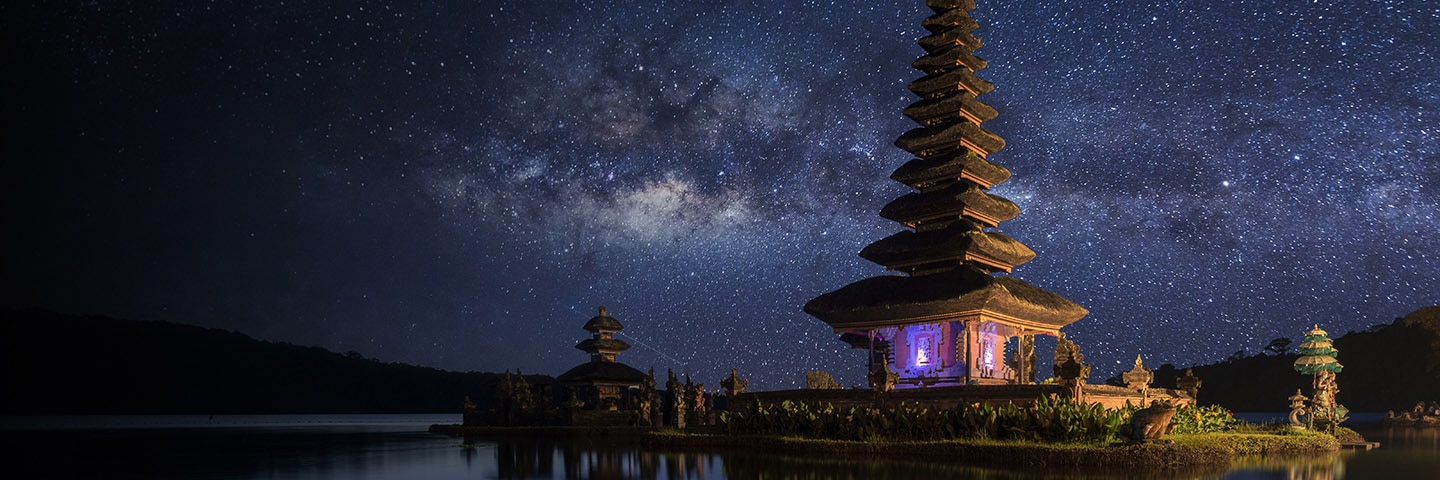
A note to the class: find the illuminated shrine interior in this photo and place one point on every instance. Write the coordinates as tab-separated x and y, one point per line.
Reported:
942	354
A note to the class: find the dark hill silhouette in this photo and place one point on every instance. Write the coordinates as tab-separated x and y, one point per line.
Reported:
1388	367
64	364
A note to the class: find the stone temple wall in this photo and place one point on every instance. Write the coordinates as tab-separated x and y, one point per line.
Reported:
948	397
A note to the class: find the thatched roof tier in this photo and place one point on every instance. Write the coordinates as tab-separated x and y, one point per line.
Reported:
959	200
951	38
965	293
947	59
925	172
602	373
608	345
603	321
938	85
856	340
909	251
944	5
956	18
963	105
931	141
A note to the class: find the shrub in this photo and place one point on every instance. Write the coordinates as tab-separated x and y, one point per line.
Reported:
1212	418
1048	419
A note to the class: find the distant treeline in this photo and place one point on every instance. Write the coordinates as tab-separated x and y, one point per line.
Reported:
65	364
1388	367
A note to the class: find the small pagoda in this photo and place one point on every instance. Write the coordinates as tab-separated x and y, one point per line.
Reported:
949	314
602	382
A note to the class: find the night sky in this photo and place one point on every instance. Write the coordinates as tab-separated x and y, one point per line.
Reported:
461	184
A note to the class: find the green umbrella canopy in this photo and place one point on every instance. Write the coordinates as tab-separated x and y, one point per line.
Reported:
1317	354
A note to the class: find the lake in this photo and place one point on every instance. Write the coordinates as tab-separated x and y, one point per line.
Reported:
398	447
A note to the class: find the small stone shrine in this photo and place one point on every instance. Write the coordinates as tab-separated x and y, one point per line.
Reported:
950	314
1138	378
733	384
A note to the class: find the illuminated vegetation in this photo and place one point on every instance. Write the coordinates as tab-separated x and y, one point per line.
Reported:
1055	420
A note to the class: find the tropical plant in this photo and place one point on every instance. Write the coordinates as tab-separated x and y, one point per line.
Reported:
1049	419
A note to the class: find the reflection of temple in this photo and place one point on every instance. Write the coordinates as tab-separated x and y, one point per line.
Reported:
952	314
602	382
586	458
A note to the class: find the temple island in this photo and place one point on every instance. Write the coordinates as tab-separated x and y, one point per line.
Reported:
948	336
951	322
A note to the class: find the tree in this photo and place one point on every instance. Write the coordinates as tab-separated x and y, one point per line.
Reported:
1237	356
817	379
1279	346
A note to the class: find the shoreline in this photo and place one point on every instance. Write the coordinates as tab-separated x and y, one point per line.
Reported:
1190	450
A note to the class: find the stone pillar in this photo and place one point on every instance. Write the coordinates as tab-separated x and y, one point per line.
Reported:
972	347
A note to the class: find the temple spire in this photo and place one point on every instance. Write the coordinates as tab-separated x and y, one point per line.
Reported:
952	259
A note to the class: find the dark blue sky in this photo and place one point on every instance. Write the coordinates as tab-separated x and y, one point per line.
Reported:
461	184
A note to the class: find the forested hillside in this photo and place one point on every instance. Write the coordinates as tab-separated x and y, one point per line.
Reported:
64	364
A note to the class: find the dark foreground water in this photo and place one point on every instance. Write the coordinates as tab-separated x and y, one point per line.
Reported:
398	447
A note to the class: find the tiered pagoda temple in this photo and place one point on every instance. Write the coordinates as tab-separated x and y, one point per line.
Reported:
949	314
602	381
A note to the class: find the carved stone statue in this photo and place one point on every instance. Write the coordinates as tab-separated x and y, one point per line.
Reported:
700	404
1149	424
1325	389
672	384
1070	368
1025	360
883	379
648	385
1069	362
677	414
676	390
1189	383
1325	413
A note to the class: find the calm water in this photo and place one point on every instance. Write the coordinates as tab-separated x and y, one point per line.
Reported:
398	447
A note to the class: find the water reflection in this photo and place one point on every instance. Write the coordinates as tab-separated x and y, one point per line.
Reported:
792	467
1318	467
543	458
302	449
528	458
1415	438
1405	452
1408	453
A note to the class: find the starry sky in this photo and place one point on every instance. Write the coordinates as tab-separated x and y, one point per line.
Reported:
461	184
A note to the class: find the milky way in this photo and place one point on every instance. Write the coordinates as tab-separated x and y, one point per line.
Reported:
461	185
